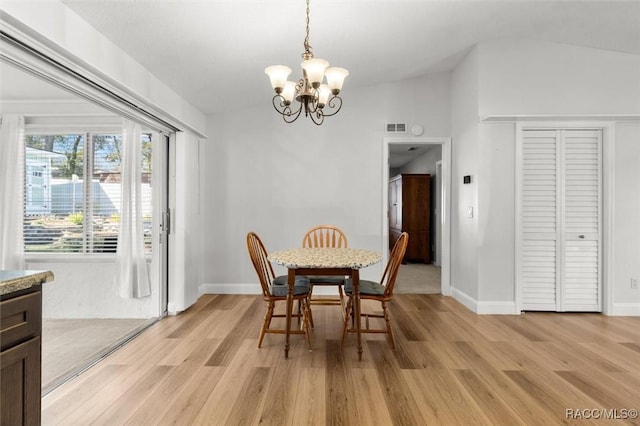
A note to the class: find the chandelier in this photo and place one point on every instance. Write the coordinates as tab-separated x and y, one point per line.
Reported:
318	100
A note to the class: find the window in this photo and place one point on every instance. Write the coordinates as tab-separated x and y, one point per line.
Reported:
72	192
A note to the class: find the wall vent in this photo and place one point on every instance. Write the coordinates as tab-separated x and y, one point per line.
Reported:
396	128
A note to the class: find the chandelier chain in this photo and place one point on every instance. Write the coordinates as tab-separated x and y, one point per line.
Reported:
307	48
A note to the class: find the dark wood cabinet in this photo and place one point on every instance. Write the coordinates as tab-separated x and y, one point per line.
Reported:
20	357
409	211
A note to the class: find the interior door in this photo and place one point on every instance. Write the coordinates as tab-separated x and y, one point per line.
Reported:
560	230
581	220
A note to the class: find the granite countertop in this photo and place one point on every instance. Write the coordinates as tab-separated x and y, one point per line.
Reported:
16	280
325	258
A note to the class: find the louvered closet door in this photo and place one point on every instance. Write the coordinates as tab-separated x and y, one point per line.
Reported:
540	208
560	222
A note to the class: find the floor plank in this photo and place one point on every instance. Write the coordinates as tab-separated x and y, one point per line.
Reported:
450	367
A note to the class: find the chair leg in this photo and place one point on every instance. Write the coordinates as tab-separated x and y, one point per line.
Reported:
341	293
266	323
299	312
306	321
308	302
344	305
346	320
387	319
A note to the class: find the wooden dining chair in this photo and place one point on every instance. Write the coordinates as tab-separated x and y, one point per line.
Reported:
325	236
381	292
274	290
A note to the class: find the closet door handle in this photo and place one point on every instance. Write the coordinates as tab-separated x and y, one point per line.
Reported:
581	236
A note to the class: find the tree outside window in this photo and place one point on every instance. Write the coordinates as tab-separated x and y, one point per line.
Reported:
72	192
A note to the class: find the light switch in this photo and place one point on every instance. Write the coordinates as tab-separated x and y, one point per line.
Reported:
469	212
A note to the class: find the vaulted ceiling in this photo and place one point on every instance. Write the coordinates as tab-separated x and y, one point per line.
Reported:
213	53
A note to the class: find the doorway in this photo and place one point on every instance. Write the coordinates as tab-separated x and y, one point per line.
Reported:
443	189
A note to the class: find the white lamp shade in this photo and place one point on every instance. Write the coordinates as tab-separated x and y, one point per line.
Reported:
314	68
335	78
278	75
289	91
323	94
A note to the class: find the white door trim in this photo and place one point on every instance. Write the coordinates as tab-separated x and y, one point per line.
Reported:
446	202
607	128
437	258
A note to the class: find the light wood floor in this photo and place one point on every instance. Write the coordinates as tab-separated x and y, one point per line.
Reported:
451	367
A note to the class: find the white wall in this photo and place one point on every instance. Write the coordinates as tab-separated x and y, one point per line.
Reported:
537	78
280	179
426	163
465	151
186	236
626	219
496	212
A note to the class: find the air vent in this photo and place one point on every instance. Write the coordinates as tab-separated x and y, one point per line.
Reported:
396	128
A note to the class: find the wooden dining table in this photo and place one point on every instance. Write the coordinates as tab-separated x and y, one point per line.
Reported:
345	262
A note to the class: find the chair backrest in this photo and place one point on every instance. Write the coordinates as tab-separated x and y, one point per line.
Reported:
263	267
324	236
391	270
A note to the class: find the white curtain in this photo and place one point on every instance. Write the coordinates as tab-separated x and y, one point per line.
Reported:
133	275
11	192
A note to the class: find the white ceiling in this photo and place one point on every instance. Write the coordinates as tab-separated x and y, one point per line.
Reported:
403	153
213	53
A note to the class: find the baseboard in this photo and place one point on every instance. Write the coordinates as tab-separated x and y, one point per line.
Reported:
255	289
229	289
484	307
478	307
625	309
509	308
465	299
497	308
